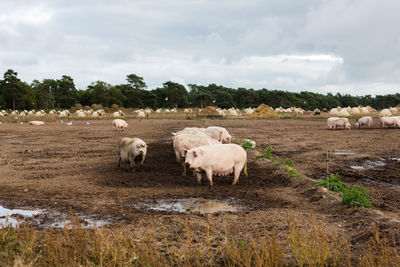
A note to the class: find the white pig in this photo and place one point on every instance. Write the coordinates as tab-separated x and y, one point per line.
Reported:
366	120
119	124
342	122
218	133
184	142
131	151
390	121
219	159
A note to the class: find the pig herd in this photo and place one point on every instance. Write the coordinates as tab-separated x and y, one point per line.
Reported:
204	150
366	121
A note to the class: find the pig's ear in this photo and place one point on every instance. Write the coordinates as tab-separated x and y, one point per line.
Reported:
174	134
184	152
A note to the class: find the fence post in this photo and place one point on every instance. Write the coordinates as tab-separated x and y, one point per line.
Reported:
327	163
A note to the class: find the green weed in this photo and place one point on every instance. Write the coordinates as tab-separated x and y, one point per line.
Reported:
356	196
249	144
332	183
292	172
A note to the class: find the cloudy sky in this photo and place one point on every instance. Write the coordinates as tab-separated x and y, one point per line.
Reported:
346	46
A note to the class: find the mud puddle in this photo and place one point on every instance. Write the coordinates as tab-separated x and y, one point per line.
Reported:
344	153
369	164
191	205
46	218
374	182
13	216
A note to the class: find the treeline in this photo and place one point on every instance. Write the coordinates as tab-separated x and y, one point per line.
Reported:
62	93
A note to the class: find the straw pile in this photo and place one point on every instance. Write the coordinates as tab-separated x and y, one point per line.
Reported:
210	110
264	111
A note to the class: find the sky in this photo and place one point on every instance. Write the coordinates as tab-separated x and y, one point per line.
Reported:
345	46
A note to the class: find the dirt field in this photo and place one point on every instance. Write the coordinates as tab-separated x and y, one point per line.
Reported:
74	168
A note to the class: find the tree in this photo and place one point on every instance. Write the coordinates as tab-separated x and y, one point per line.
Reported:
133	91
26	96
223	99
200	96
136	82
176	95
65	93
10	89
43	95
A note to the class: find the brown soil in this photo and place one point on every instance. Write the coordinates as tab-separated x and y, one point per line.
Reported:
74	168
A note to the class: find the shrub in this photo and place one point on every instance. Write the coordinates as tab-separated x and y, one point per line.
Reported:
356	196
332	183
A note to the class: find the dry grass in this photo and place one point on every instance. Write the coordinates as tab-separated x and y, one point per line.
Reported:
264	111
210	110
380	252
316	247
77	246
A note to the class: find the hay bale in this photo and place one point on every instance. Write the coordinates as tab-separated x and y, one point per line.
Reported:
210	110
264	111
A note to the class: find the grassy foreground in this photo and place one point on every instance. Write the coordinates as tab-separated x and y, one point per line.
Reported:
77	246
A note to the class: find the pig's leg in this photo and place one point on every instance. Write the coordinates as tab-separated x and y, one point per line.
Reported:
131	164
183	168
141	162
209	176
236	173
198	175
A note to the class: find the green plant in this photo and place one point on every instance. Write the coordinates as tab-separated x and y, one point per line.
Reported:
266	154
288	162
248	144
292	172
333	183
356	196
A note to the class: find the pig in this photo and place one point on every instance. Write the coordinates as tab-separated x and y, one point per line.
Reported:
36	122
218	133
218	159
119	124
390	121
330	120
184	142
118	113
131	151
366	120
342	122
190	130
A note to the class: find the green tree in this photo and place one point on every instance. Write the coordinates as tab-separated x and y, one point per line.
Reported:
200	96
136	82
26	96
224	99
65	93
43	95
176	95
10	88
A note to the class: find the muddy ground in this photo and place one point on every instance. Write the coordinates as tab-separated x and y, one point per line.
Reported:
74	168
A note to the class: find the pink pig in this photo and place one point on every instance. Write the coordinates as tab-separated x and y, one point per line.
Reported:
218	159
